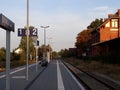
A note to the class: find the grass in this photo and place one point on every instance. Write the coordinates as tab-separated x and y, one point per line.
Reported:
14	64
110	70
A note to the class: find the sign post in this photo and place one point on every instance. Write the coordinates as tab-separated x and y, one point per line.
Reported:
8	25
37	46
7	60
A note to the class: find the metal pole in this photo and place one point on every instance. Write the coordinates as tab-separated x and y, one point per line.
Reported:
27	57
36	57
45	43
51	54
50	49
7	60
44	53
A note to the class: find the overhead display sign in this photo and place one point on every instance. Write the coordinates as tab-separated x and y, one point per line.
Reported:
33	32
22	32
5	23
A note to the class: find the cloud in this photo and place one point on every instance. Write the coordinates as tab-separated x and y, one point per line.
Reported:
100	12
102	8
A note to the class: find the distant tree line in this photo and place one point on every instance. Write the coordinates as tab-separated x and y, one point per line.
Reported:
82	40
65	53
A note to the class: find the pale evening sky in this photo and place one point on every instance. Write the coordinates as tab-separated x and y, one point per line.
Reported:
66	18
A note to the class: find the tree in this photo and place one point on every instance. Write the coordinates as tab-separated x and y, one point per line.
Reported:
23	44
95	24
83	38
65	53
55	54
14	56
2	54
61	52
2	57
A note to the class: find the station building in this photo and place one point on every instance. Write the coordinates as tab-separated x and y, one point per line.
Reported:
105	38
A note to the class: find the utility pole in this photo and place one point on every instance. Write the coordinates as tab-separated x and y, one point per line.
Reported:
27	55
44	53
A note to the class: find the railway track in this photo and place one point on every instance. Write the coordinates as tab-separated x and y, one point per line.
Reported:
91	81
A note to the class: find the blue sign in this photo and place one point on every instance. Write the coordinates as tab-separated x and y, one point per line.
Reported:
22	32
33	32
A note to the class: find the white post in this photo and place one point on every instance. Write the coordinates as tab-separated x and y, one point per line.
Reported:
48	56
44	43
44	53
7	60
36	57
27	51
50	48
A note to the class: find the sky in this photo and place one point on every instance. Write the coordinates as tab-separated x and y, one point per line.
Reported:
66	19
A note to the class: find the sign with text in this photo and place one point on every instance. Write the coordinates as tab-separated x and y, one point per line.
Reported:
5	23
22	32
33	32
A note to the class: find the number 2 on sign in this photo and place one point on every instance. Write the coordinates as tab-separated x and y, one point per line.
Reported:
34	32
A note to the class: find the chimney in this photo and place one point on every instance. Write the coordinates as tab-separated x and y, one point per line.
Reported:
118	12
105	19
110	15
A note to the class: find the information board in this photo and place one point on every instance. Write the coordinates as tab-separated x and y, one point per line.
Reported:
22	32
5	23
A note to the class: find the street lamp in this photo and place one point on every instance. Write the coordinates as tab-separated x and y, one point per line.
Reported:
44	54
27	39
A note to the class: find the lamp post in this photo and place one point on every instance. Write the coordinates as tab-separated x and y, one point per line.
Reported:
44	54
27	51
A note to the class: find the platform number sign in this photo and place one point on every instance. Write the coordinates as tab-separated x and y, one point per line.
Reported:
33	32
22	32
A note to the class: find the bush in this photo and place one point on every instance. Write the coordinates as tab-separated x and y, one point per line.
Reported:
109	58
2	56
17	63
14	57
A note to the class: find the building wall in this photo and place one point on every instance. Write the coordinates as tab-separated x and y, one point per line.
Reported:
114	34
109	30
104	34
95	37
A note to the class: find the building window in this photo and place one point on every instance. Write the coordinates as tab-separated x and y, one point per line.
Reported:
114	23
